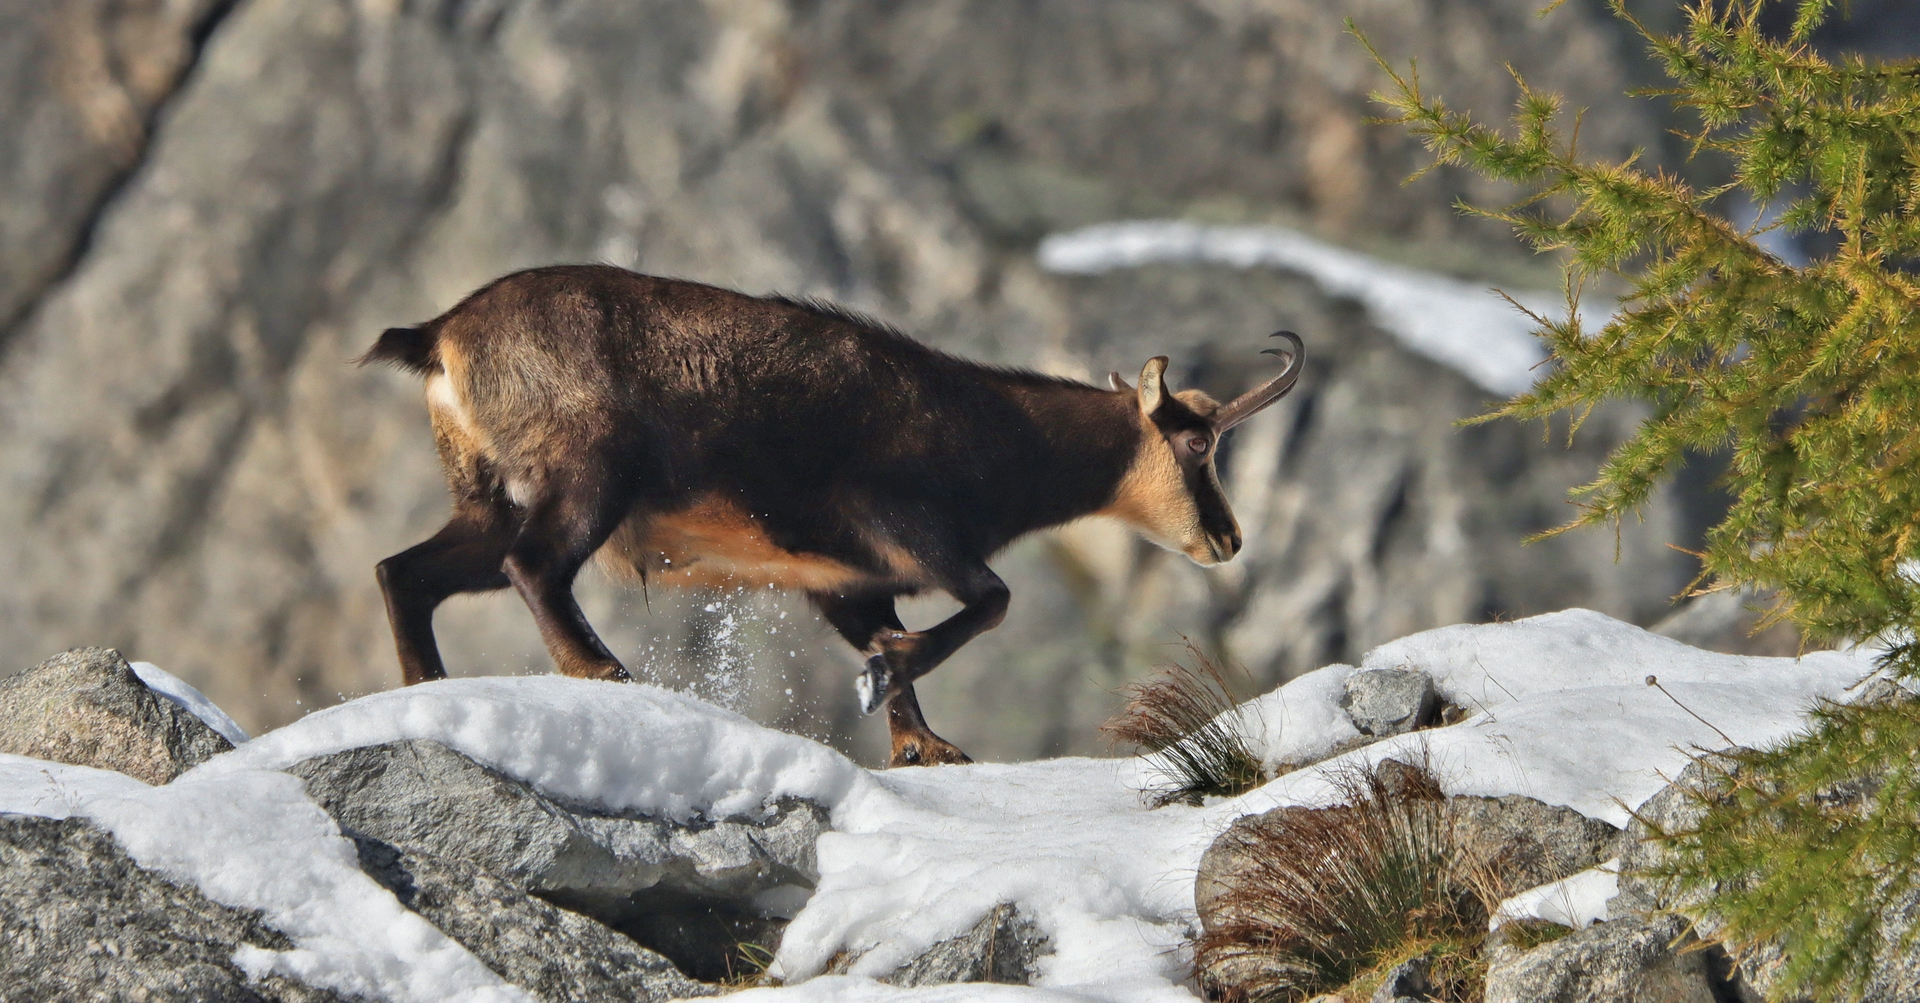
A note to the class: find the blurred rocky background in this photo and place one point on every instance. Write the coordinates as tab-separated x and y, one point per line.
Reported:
207	208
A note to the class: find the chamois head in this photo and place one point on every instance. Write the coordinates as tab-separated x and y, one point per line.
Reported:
1171	492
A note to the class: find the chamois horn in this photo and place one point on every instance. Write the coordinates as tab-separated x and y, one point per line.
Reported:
1242	407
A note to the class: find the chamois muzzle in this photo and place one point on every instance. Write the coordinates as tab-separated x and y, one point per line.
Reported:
1243	407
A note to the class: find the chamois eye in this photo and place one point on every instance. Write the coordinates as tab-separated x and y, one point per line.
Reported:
1197	444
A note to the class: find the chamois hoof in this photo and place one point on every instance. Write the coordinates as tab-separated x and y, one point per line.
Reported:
929	751
873	685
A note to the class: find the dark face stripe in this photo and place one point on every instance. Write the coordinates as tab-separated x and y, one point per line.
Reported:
1216	516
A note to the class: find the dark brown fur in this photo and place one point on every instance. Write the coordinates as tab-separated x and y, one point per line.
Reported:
694	435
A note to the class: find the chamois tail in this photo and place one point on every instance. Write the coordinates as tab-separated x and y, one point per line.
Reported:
410	348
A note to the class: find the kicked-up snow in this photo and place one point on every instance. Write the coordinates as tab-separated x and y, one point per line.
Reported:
1559	710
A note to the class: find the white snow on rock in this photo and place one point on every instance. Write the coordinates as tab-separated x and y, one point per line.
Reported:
1560	711
1458	324
190	700
1576	901
627	746
251	839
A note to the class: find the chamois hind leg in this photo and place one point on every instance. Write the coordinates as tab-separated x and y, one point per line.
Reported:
464	556
858	619
567	521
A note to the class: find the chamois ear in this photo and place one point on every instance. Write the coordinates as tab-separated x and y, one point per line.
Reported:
1151	392
1118	382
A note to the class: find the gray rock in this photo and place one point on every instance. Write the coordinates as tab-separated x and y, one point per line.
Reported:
1408	980
1727	621
691	892
555	955
1757	972
84	78
81	922
1227	860
1632	960
1525	843
87	708
1004	947
1385	702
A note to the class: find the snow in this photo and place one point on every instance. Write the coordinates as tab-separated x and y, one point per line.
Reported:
626	746
253	840
1458	324
1559	710
1577	900
1067	840
191	700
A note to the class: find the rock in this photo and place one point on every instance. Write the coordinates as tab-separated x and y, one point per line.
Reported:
80	922
1386	702
84	78
555	955
87	708
1408	981
1526	843
1756	975
1228	858
1004	947
1727	621
1632	960
691	892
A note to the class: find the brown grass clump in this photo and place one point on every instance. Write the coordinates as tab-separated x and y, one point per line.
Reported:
1335	897
1182	718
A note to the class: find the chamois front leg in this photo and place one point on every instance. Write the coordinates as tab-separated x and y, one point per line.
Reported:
899	656
858	618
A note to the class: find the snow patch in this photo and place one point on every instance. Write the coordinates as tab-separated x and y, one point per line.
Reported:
1467	327
1576	901
190	700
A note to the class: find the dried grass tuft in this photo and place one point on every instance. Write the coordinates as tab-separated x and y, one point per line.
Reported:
1183	717
1327	897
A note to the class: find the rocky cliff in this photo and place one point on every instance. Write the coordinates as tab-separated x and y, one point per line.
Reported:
209	208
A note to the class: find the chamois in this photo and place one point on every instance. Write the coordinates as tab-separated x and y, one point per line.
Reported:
691	435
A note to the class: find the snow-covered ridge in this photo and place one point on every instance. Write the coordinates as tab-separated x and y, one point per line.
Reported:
1560	711
1459	324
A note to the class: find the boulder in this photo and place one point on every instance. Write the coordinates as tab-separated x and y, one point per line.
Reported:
693	892
1525	843
1385	702
1409	980
1631	960
80	922
555	955
1228	858
86	707
1756	975
1004	947
1522	842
